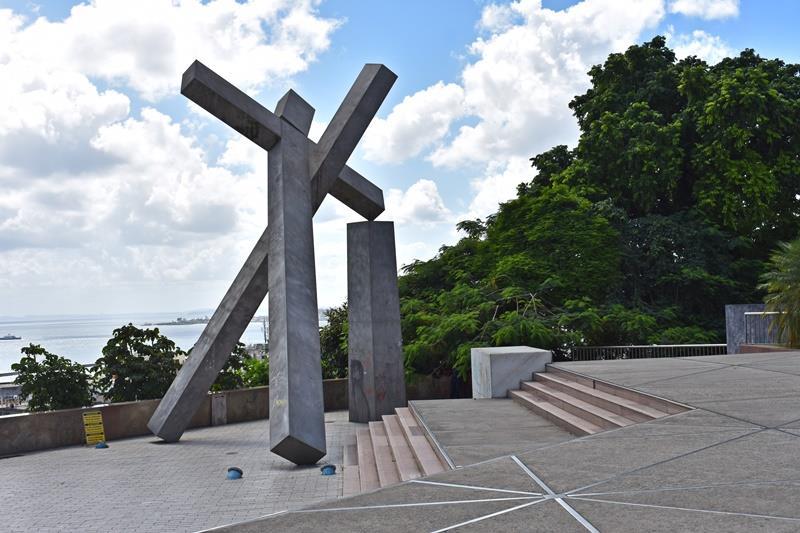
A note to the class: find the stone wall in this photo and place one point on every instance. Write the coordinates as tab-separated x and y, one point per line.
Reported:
24	433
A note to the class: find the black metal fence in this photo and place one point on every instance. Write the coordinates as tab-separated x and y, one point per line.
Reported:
599	353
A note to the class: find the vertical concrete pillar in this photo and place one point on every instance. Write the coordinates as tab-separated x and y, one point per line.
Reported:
296	422
376	377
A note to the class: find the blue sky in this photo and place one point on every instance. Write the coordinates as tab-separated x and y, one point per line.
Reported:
118	196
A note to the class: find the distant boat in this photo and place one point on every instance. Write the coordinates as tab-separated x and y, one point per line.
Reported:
10	338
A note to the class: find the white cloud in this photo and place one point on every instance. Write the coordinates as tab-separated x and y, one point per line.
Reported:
146	45
416	123
526	73
514	93
499	184
95	196
707	9
419	204
710	48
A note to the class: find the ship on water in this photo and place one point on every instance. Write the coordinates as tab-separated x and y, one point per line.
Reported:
10	338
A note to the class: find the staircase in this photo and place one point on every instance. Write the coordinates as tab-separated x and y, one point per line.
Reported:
392	450
584	406
397	448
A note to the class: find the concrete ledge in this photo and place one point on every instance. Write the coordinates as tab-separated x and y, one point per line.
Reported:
27	432
495	371
764	348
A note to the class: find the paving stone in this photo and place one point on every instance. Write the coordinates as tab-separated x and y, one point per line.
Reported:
589	460
628	518
632	372
471	431
546	516
138	485
725	383
417	518
764	456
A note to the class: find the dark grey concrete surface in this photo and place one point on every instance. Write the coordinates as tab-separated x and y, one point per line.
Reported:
296	423
375	342
471	431
735	329
636	519
300	175
424	516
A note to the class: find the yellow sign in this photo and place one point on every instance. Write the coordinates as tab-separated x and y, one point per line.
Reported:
93	427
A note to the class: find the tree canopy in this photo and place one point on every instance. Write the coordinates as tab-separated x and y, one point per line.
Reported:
50	381
684	179
137	364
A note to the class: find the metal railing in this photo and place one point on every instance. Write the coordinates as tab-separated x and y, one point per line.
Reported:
598	353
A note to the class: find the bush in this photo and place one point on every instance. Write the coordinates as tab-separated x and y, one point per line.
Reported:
54	383
255	372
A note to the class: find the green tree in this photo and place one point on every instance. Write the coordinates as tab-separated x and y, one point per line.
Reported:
255	372
782	284
684	178
50	381
232	374
137	364
333	343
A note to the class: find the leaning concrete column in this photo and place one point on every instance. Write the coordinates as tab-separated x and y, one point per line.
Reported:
296	414
377	380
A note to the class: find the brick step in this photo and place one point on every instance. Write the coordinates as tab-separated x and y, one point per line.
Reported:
566	401
634	410
367	469
659	404
574	424
407	466
424	453
384	460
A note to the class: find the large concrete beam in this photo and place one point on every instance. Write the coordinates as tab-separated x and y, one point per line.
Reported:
296	421
348	124
377	378
227	324
236	109
249	289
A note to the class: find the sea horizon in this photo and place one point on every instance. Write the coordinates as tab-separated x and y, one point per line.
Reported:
81	337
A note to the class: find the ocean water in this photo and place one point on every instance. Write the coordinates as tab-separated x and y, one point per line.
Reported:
81	338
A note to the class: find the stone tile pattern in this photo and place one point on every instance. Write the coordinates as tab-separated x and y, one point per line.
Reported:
138	485
728	465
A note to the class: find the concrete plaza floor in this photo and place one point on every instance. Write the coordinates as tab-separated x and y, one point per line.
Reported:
141	485
730	464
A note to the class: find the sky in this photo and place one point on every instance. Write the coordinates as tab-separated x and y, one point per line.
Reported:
118	195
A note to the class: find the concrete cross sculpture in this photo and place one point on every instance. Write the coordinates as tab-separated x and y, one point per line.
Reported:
300	174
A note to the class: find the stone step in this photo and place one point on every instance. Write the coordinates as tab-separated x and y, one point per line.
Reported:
634	410
351	481
384	461
574	424
424	454
654	402
367	469
566	401
407	466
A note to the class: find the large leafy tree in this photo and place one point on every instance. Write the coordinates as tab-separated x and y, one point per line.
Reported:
50	381
685	177
333	343
137	364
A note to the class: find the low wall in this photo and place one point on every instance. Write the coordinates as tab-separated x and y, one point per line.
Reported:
40	431
764	348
